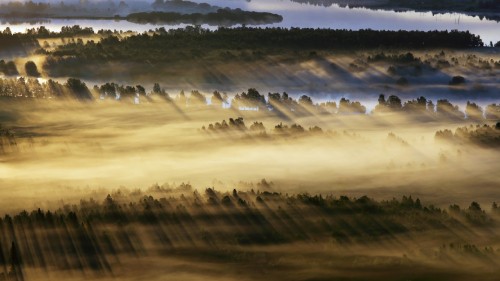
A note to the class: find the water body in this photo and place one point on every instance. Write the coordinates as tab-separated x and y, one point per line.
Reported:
304	15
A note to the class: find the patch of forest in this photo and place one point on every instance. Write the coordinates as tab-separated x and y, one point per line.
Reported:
163	45
17	42
26	89
94	234
222	17
236	127
481	135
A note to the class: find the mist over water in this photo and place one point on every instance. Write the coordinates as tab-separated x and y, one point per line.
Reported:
108	146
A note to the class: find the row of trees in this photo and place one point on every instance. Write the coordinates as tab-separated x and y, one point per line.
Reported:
238	125
393	104
443	107
66	31
251	99
17	42
9	68
487	136
222	17
33	88
91	235
159	46
283	103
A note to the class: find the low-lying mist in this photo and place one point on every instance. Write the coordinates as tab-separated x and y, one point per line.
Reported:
65	150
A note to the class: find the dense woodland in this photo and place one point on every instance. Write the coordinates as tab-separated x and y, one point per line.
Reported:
32	88
157	46
222	17
95	235
17	42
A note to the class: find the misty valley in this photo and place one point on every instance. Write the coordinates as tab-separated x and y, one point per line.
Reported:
321	162
249	140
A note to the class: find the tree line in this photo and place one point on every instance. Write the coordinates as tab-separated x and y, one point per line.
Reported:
238	125
481	135
22	88
252	99
93	234
222	17
17	41
159	45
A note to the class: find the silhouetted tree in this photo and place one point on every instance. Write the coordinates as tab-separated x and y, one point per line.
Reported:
9	68
252	98
495	209
257	126
141	90
446	109
156	88
31	69
181	98
416	106
196	98
381	99
346	106
393	103
473	111
305	101
217	100
79	89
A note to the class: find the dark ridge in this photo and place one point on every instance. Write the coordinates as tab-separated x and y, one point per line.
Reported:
223	17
